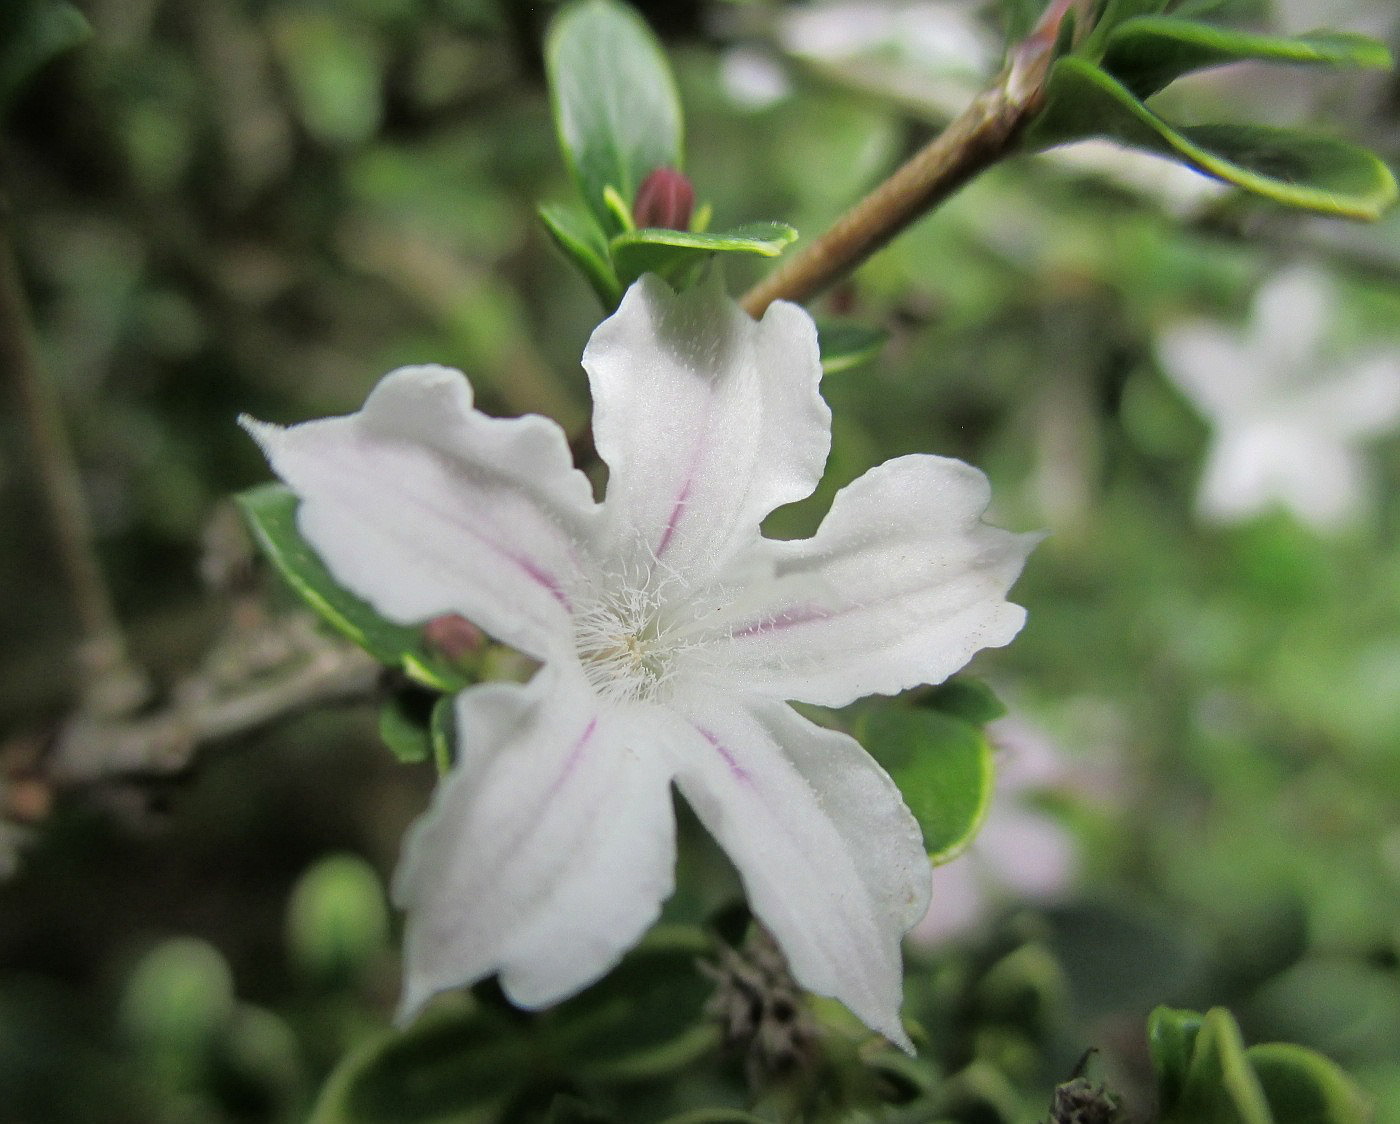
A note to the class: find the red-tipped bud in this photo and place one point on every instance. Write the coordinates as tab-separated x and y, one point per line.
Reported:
664	200
453	636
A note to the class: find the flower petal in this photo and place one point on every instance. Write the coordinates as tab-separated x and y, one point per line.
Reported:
707	420
833	863
423	505
547	850
901	584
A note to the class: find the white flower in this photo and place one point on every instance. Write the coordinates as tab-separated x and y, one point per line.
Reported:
1286	418
671	633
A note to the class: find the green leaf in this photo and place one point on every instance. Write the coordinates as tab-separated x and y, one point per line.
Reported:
582	241
1303	1087
1220	1086
1294	168
1149	52
1114	14
271	514
845	346
616	109
1171	1038
670	253
442	733
403	725
458	1057
33	33
644	1019
967	698
942	765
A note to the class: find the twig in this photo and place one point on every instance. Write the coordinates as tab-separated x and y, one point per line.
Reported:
981	135
93	748
111	683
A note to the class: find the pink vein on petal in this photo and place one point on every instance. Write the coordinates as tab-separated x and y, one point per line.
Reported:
740	773
571	762
787	618
675	517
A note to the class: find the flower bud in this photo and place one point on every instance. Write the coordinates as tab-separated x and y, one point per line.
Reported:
664	200
453	636
337	923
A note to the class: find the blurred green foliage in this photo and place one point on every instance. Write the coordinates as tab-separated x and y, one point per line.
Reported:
229	205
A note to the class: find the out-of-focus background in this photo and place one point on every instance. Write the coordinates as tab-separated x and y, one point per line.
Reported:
226	206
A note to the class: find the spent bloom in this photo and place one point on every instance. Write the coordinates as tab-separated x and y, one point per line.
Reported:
1287	417
671	635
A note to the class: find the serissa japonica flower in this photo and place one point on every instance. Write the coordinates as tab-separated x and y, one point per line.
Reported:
671	635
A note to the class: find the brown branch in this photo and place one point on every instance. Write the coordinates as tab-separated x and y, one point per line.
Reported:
209	706
981	135
110	681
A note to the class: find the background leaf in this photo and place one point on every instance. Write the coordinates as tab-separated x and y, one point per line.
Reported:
845	346
1147	53
616	109
32	32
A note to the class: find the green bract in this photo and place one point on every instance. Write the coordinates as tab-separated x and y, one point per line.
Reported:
1099	89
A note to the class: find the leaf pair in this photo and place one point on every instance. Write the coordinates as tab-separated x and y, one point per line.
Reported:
619	119
1100	89
1205	1073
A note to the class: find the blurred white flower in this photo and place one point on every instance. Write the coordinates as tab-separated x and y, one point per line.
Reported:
1287	417
671	633
753	79
1022	852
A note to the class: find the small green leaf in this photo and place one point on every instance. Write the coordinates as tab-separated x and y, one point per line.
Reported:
1297	169
33	33
271	514
581	239
1303	1087
1171	1038
1149	52
458	1058
942	765
403	725
442	733
967	698
671	252
845	346
1220	1084
616	109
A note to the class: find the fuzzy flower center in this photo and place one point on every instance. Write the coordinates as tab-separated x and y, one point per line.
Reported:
627	643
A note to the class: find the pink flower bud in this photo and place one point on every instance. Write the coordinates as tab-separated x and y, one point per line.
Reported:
453	636
665	200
